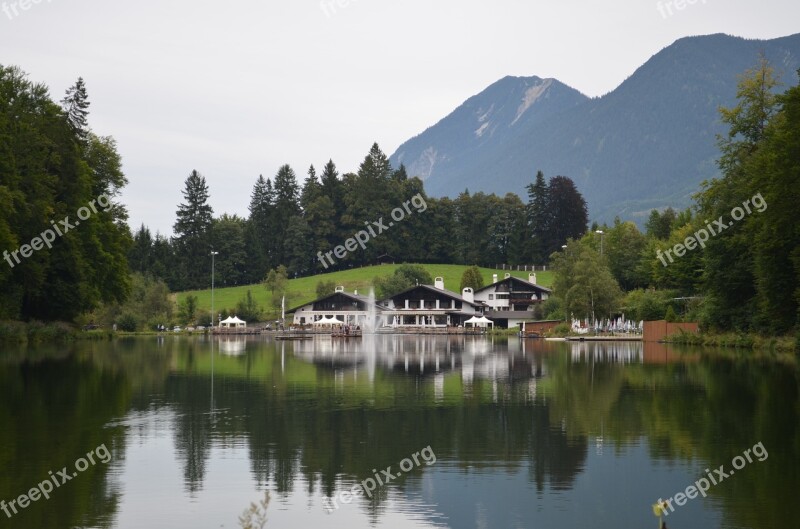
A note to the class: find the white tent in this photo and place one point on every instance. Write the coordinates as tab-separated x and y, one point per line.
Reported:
483	321
327	321
232	322
473	320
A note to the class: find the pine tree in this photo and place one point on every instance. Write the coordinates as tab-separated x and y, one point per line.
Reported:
312	189
140	256
229	241
567	214
259	237
537	217
193	233
76	105
287	205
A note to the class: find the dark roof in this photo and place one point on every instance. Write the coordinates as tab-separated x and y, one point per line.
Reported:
354	297
435	290
527	284
508	314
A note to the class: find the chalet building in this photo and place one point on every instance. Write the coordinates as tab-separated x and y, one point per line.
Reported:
511	301
350	309
507	303
425	305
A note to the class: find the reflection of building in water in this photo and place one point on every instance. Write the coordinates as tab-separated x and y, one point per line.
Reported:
232	345
428	355
615	352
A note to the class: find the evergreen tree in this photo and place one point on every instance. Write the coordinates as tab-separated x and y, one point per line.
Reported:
259	236
287	205
333	189
659	225
537	218
229	241
140	256
299	247
312	189
192	230
568	215
400	174
76	105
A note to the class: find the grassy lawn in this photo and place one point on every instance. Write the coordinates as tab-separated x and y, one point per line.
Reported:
303	290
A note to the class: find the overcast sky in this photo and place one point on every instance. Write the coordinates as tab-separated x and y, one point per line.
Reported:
234	89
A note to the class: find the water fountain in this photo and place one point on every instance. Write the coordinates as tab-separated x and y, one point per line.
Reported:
371	323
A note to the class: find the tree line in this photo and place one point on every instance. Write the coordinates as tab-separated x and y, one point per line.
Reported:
290	224
51	166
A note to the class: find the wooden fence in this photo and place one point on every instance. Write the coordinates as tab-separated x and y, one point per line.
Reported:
656	331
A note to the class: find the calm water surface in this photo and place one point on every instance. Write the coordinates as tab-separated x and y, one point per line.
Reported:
507	433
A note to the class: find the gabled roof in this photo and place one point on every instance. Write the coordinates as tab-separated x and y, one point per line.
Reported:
512	279
438	291
355	297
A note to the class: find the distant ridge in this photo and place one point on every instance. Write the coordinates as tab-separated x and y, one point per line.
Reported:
647	144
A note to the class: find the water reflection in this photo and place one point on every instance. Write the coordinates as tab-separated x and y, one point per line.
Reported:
526	433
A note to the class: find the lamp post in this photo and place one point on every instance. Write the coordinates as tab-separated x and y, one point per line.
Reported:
213	254
602	234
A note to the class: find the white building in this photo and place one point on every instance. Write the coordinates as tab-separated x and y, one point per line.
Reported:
511	300
425	305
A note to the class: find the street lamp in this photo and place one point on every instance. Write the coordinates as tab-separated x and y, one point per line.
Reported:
213	254
601	233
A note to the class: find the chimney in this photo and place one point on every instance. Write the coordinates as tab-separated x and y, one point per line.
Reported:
468	295
494	278
507	275
339	289
532	278
439	283
355	292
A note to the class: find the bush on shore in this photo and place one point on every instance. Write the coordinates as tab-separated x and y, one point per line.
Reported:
782	344
36	332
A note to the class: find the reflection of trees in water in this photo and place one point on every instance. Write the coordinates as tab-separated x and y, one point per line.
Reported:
322	438
193	431
53	410
532	403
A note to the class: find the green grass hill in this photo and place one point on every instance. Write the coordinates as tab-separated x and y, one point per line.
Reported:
303	290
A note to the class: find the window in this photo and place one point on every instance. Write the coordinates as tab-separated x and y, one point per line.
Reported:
491	297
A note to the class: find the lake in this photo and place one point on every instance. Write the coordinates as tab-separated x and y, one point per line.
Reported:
394	431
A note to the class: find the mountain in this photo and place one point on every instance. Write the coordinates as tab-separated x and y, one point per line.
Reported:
647	144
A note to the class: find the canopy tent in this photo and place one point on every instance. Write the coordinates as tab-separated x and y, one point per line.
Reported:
232	322
483	321
327	321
